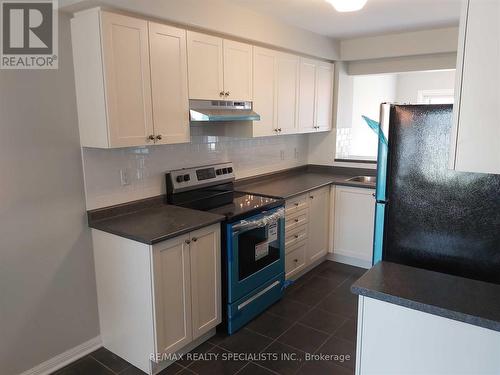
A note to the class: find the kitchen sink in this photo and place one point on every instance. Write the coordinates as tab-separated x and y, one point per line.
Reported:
363	179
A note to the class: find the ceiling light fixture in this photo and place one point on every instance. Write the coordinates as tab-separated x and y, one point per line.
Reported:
347	5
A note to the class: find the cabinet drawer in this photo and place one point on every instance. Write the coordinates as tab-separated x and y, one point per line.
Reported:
295	260
296	235
295	204
295	220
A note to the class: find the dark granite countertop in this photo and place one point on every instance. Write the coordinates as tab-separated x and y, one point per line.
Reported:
296	181
469	301
150	220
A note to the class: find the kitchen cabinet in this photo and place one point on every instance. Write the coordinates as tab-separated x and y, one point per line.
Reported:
315	105
205	66
205	260
218	68
265	88
169	83
275	83
354	225
307	229
160	298
475	144
130	79
172	294
237	71
319	221
287	93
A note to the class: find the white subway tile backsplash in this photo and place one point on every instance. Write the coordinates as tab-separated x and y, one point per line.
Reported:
146	166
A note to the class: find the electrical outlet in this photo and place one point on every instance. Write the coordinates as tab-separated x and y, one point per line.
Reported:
282	154
124	177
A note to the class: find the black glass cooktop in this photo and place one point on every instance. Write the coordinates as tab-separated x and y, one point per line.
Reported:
223	200
245	205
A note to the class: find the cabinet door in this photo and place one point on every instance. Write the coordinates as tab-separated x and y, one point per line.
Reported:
324	96
169	83
354	224
205	279
319	223
237	70
127	79
287	93
205	66
172	294
307	95
264	85
476	144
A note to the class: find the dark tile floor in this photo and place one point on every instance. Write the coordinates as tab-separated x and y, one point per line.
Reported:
318	315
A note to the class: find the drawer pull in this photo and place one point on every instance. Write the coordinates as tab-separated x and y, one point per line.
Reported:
295	260
296	220
297	204
296	236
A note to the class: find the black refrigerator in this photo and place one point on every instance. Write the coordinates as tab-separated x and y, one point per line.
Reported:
427	215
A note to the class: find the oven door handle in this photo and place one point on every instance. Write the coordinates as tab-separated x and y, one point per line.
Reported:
245	225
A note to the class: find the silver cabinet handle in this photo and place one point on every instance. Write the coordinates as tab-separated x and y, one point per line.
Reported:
150	138
296	236
296	220
194	239
279	129
227	93
221	94
311	196
159	137
297	204
295	260
188	242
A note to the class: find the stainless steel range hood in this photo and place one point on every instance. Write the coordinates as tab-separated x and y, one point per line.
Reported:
221	110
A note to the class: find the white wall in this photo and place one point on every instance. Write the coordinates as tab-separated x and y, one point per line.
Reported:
147	166
368	93
47	284
223	16
408	84
425	42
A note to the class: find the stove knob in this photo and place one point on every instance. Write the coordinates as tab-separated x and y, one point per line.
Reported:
186	177
179	178
218	172
224	170
230	170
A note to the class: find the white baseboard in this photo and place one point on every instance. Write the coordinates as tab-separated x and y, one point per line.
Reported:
63	359
350	260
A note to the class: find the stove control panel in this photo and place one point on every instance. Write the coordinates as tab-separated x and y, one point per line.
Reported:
194	178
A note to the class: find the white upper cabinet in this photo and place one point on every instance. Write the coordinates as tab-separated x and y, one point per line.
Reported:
131	81
275	85
264	85
475	144
324	96
237	71
218	68
315	96
169	83
205	66
287	93
127	79
307	95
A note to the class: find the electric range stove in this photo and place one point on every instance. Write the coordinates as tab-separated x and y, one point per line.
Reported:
253	238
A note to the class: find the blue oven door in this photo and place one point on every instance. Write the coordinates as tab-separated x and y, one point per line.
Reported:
256	252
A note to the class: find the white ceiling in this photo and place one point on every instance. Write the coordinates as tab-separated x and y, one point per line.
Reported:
377	17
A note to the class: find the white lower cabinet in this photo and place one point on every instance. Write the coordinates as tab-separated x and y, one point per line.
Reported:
354	225
307	224
395	340
157	299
